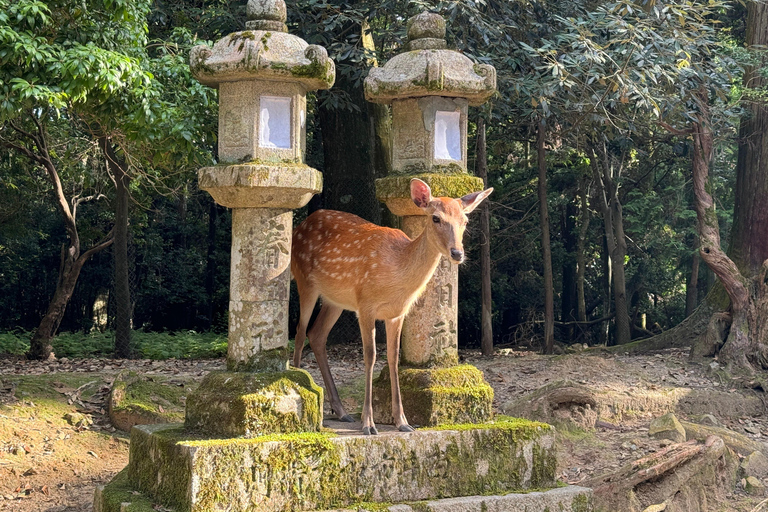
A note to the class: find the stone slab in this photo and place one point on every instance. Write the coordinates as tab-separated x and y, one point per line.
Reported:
320	470
563	499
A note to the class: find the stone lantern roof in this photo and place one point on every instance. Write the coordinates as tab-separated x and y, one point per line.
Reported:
427	68
265	51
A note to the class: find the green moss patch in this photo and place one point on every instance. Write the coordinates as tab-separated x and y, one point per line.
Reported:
456	183
119	496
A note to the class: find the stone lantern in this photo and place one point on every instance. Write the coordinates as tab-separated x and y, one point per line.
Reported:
263	75
430	89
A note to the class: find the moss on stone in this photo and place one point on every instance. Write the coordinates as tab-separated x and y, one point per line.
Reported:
315	69
581	503
445	185
435	396
136	395
118	492
256	404
155	467
307	471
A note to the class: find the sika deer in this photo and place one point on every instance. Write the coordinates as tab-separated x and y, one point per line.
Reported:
375	271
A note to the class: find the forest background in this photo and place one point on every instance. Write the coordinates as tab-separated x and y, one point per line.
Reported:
603	111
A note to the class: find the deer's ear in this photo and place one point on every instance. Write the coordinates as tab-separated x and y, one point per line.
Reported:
470	201
420	193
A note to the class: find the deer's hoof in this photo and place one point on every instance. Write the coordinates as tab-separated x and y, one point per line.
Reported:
406	428
370	431
347	418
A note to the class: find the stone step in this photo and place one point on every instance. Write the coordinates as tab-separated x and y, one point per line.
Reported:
120	498
561	499
311	471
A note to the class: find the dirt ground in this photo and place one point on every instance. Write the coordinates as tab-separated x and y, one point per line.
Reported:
52	457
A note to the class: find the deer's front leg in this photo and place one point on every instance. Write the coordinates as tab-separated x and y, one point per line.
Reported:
394	327
368	333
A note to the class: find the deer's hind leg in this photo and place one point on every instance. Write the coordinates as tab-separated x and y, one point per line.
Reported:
318	337
368	333
307	298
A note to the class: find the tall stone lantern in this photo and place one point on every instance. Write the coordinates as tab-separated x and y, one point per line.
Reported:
430	88
263	75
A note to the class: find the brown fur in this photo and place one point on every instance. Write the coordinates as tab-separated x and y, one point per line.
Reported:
375	271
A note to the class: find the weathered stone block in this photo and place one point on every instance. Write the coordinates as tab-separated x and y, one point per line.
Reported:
436	396
311	471
667	427
253	404
135	400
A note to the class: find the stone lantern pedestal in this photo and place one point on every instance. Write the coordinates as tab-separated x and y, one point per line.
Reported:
263	75
430	89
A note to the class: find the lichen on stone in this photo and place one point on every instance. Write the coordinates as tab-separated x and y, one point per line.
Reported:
454	185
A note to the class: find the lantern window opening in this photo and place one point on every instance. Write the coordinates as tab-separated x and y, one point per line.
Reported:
275	122
447	135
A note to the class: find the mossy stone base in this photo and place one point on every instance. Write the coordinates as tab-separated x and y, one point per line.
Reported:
435	396
239	404
310	471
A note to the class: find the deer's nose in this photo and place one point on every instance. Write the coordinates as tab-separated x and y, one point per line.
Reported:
457	255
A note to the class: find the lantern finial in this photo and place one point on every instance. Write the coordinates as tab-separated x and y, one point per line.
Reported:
266	15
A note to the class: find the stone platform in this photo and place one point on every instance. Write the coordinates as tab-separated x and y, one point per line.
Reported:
326	470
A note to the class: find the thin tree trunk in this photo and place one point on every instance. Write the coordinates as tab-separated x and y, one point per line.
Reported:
569	292
486	343
581	251
546	249
123	309
692	290
210	260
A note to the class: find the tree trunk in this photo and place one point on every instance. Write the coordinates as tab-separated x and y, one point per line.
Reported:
581	251
486	343
692	290
569	292
34	146
210	261
605	173
41	342
546	249
123	310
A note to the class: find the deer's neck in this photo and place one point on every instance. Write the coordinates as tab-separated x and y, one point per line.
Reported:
421	258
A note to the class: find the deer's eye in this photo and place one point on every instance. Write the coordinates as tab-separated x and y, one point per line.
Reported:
436	219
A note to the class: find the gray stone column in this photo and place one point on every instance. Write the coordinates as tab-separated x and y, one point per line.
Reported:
429	332
263	75
260	277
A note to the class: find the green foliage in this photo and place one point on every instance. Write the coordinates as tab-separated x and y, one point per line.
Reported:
149	345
